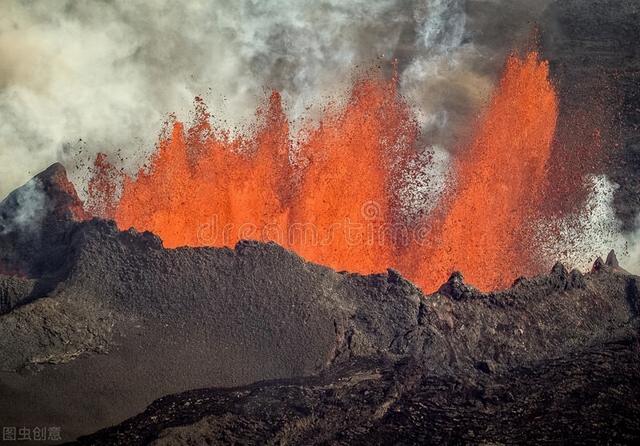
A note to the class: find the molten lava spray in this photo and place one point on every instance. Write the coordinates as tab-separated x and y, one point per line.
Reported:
346	196
338	204
485	232
205	189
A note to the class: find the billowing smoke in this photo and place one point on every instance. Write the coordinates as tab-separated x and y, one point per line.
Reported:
81	77
633	249
104	75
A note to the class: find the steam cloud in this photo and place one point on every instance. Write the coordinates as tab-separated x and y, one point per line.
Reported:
29	207
592	232
108	72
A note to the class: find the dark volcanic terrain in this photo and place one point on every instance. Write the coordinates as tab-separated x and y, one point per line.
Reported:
554	360
104	322
98	324
585	397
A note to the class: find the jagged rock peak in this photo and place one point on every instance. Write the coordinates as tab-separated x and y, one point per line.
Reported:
49	194
394	276
559	270
61	193
612	260
456	288
598	265
576	279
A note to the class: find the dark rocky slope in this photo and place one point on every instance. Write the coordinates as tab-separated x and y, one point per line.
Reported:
113	321
550	360
586	397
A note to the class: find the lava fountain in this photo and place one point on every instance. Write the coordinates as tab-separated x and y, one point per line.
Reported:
499	180
330	192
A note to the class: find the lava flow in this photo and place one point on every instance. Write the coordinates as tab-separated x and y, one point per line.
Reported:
334	204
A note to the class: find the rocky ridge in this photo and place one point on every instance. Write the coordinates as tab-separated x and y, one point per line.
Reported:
108	321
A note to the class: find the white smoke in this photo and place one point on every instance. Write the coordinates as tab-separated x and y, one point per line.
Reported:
109	72
578	239
25	209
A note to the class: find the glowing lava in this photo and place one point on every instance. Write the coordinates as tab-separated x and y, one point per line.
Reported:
204	188
346	192
335	204
485	232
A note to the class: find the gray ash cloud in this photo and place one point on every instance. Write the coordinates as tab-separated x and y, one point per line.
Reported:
109	72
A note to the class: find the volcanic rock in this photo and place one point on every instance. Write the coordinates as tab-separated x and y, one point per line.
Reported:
612	260
573	399
455	287
576	279
35	221
598	265
14	291
113	321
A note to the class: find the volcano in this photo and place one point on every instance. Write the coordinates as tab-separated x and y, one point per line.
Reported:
331	280
202	188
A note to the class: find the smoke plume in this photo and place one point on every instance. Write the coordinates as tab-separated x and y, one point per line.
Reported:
78	78
577	239
84	77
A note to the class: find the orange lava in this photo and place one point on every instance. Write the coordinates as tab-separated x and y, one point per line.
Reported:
330	193
345	199
102	188
205	189
485	232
